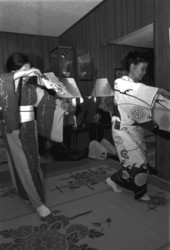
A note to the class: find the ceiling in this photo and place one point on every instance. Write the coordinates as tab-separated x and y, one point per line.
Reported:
42	17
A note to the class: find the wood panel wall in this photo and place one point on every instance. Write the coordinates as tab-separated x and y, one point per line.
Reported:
108	21
109	58
37	47
162	78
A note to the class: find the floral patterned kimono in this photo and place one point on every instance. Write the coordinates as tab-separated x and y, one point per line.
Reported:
134	102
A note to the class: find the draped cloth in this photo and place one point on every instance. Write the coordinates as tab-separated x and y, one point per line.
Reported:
135	102
50	118
161	113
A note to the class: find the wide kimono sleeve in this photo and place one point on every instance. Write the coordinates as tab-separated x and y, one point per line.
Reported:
134	100
161	113
50	117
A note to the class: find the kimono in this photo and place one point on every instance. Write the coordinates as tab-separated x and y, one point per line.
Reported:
134	102
161	113
20	136
34	96
32	174
17	161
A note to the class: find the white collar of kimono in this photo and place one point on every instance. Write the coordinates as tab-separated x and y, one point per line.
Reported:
127	78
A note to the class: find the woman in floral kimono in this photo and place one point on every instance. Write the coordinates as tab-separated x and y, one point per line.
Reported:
22	144
134	102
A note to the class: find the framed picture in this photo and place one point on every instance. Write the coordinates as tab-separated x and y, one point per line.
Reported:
118	73
85	67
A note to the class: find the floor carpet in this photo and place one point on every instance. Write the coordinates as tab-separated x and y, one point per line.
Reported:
87	215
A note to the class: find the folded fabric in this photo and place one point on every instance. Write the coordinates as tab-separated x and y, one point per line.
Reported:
108	146
97	151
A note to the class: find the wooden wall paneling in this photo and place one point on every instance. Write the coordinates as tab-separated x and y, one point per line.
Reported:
79	38
19	42
159	44
27	47
147	12
92	31
100	25
125	9
138	13
82	40
97	62
108	18
111	20
12	43
36	52
53	42
118	18
1	56
106	63
103	61
45	55
110	64
31	45
5	49
84	36
132	16
162	79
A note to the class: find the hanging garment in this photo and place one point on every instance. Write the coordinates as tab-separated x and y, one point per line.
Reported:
50	118
108	146
97	151
161	113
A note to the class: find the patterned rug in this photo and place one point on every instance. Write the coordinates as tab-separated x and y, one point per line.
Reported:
87	215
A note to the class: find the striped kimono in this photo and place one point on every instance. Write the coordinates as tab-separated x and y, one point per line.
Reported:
134	102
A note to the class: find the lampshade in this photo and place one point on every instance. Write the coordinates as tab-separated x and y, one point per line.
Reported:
71	86
102	88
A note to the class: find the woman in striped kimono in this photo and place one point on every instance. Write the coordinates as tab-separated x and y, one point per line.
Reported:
21	140
134	102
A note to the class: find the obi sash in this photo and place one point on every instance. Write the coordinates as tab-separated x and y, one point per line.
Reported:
26	113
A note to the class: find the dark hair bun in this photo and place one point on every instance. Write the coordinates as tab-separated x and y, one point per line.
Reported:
16	60
134	57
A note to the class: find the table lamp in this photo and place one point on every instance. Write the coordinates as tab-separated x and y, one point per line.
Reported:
102	88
